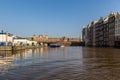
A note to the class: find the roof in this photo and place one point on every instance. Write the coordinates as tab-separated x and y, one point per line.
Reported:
19	38
6	33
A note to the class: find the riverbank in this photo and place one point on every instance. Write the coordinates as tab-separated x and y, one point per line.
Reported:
14	48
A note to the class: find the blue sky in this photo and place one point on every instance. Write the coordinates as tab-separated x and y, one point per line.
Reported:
56	17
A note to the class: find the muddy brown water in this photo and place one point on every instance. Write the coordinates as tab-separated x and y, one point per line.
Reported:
67	63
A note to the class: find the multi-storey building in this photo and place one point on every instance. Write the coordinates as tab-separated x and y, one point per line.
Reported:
111	23
86	36
83	36
106	33
99	32
117	30
90	35
93	32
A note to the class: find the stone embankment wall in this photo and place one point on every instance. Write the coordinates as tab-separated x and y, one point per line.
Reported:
10	48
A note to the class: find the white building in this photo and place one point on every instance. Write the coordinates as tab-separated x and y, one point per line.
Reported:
23	41
5	39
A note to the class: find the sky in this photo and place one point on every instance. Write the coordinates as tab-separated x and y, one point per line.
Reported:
57	18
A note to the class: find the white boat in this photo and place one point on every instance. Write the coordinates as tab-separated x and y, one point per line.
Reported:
62	46
54	45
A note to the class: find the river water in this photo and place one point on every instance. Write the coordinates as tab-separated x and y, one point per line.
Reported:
67	63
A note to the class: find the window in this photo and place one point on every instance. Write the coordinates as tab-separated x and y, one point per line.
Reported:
118	31
119	25
115	31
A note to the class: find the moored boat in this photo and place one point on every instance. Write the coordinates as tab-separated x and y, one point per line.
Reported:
54	45
62	46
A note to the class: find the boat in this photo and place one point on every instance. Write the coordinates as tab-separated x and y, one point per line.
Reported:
54	45
62	46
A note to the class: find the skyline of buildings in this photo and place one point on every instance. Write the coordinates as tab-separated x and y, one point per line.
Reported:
10	39
103	32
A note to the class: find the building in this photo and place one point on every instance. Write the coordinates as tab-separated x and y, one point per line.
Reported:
40	38
5	38
35	37
104	32
64	39
99	32
117	29
86	37
93	33
46	36
83	36
90	29
74	40
19	41
111	23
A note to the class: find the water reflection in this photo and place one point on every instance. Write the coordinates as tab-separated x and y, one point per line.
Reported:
101	53
32	54
102	63
6	60
68	63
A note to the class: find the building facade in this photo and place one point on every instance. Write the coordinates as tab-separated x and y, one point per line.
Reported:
5	38
23	42
94	32
83	36
104	32
86	36
111	23
117	29
99	32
